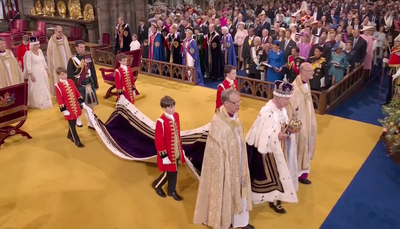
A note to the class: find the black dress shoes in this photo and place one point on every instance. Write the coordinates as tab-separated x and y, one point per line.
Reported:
277	208
91	128
159	191
70	138
79	144
249	226
175	196
305	181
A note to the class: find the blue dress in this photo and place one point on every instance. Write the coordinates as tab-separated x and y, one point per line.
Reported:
275	59
338	72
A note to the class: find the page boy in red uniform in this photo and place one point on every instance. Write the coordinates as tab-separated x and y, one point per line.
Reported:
70	101
124	80
169	148
230	82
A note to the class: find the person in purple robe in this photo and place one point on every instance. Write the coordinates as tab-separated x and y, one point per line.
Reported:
228	48
304	45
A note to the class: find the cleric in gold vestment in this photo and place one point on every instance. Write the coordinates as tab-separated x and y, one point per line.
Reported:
58	54
224	195
11	73
306	138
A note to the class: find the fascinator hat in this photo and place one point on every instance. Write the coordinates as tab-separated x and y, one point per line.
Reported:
33	40
283	89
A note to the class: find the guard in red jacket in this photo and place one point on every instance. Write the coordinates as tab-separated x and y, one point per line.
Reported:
169	148
70	102
124	81
230	82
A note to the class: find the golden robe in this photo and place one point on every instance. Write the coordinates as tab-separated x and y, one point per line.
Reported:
308	134
16	73
220	192
55	58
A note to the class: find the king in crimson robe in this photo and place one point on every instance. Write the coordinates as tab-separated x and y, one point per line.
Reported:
11	72
306	138
58	54
224	195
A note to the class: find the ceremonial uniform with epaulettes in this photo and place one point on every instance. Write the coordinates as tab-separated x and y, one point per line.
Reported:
125	83
394	71
167	140
70	101
321	77
81	70
294	67
225	85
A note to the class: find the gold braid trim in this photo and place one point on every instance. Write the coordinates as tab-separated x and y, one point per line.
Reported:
81	66
71	99
128	84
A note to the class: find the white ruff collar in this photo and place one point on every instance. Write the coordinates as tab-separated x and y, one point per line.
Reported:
169	116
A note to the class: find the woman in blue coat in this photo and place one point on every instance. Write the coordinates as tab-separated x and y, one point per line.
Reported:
276	60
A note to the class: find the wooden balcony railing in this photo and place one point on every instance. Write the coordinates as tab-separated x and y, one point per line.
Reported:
323	101
176	72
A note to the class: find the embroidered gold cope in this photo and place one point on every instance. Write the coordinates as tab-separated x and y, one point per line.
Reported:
55	58
306	138
15	70
220	192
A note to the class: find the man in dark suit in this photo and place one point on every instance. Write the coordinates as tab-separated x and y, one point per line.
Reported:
326	49
359	47
286	45
257	27
319	30
231	28
263	22
247	44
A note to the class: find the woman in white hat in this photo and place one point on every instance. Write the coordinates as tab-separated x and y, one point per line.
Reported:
37	73
367	36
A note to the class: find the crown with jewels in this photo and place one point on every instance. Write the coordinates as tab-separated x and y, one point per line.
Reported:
34	40
283	89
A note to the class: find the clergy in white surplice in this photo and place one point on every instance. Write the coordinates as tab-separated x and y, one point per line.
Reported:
11	73
272	156
58	54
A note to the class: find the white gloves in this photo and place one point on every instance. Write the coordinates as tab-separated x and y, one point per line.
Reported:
247	71
66	113
396	75
166	161
385	60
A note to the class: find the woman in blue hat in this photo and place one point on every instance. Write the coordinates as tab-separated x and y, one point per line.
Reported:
276	60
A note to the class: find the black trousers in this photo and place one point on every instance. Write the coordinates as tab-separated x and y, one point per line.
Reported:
72	131
171	177
389	94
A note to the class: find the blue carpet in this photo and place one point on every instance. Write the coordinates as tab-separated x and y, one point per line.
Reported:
371	201
364	105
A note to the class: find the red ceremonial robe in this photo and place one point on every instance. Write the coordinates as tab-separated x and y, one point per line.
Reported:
125	83
67	97
394	58
225	85
21	50
168	142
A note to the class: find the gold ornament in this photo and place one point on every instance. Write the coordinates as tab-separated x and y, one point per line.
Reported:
49	8
38	7
33	11
88	13
62	9
75	10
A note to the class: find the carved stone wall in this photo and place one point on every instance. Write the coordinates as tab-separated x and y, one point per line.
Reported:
131	10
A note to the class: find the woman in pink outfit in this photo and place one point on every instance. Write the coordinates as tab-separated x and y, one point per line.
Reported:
367	35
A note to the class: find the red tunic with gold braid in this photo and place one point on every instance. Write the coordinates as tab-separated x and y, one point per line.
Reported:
394	58
225	85
125	83
167	139
67	98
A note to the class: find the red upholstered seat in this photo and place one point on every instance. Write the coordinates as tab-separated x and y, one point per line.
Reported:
134	59
109	77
